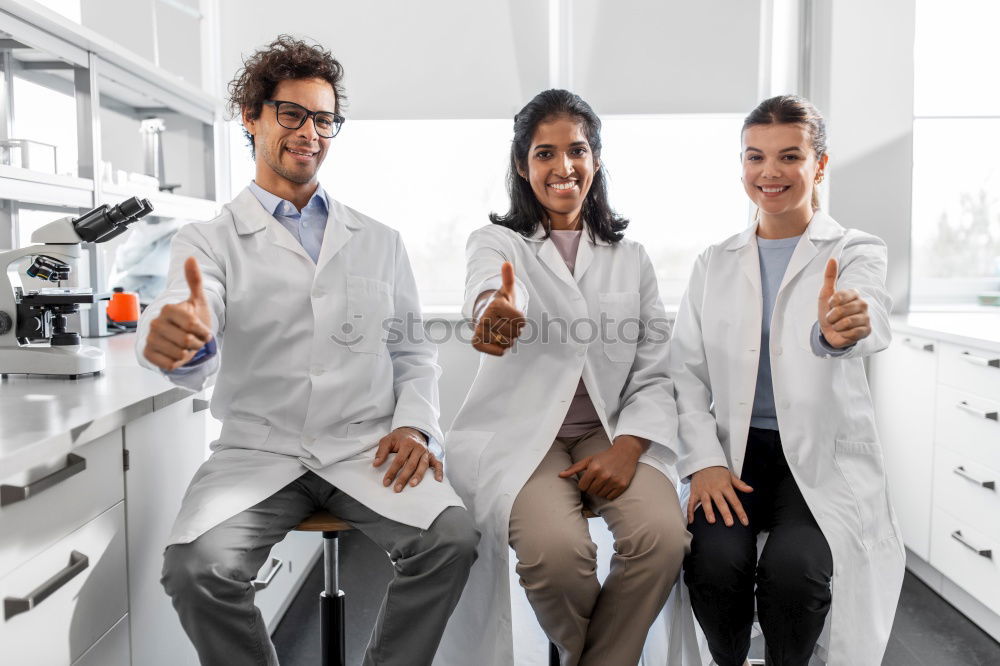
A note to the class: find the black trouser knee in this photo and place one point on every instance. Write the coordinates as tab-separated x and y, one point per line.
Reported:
792	576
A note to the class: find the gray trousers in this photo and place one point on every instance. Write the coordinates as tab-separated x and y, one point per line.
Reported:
209	578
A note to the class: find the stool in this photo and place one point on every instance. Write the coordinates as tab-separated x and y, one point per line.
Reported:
553	650
331	599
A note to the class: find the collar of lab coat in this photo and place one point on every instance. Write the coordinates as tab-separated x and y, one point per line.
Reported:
821	227
251	217
549	254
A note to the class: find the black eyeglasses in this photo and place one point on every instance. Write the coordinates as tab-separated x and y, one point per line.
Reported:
292	116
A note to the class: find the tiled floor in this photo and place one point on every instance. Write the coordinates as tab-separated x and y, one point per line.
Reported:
927	630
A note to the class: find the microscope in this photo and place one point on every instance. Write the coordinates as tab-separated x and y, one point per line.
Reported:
34	335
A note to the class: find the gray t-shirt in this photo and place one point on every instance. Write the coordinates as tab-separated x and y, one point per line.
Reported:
774	253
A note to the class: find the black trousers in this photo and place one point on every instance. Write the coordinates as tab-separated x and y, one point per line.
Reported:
792	576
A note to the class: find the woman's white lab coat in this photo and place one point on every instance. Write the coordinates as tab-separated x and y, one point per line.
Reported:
314	369
517	402
823	406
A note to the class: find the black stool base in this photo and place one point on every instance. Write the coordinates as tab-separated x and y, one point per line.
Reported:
332	629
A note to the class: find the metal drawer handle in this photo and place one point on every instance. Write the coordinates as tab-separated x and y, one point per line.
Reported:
16	605
966	407
199	405
979	360
957	536
11	494
276	564
927	347
965	475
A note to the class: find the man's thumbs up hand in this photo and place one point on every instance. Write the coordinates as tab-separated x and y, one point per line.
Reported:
501	321
843	315
181	329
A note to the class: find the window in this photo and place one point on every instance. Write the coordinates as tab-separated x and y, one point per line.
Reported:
956	135
675	177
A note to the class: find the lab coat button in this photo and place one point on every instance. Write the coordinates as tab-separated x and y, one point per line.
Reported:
318	293
779	351
785	404
581	351
316	371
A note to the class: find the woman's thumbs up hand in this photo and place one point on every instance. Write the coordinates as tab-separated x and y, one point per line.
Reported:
501	321
843	315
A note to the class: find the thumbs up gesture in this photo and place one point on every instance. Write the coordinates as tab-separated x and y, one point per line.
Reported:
843	315
181	329
501	321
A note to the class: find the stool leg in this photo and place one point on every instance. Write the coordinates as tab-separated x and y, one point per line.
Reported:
331	604
553	654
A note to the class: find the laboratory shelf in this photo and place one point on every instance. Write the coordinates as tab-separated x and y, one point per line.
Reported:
36	187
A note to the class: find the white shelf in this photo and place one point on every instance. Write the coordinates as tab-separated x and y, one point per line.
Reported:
36	187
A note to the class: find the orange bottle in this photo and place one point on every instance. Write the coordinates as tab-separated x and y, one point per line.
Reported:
124	307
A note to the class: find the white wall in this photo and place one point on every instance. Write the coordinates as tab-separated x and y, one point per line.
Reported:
862	80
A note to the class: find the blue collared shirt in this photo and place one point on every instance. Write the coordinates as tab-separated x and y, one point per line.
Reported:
307	225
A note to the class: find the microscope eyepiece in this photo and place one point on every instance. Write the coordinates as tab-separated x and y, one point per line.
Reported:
105	222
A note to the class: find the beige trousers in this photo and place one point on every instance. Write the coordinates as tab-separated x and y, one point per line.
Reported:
557	560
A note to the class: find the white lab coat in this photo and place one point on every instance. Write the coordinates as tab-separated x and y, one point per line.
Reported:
517	402
292	398
823	406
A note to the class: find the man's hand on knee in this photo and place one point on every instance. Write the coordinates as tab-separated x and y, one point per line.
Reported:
411	461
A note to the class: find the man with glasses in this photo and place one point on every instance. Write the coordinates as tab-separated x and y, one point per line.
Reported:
292	303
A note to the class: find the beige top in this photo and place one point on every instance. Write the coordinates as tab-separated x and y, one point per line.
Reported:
581	417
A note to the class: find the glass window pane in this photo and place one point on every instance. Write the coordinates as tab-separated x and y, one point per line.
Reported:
955	58
46	116
677	178
956	209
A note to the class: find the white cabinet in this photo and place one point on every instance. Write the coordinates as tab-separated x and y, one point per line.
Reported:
165	449
43	504
60	602
937	403
903	390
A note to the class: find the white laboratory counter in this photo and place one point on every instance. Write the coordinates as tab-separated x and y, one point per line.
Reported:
41	417
937	398
92	472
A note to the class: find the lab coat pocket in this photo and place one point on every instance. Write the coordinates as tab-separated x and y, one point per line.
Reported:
863	469
619	325
369	308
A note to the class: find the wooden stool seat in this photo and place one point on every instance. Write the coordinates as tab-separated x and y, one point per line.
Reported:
322	521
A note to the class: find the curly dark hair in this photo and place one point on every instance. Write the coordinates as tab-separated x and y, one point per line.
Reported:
284	58
525	213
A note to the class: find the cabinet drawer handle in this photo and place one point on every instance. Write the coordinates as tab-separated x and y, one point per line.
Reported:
11	494
957	536
16	605
922	346
965	475
966	407
199	405
276	564
979	360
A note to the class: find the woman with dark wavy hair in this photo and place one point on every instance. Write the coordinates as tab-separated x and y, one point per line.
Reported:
571	409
